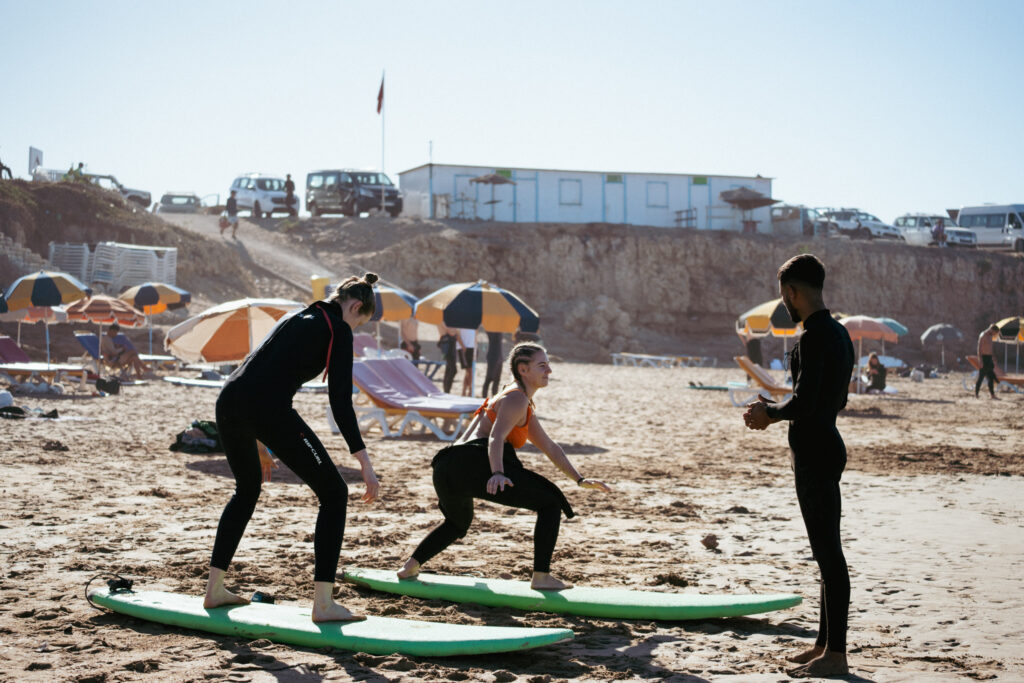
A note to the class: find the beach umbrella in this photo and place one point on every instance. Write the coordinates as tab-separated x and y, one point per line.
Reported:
899	328
153	298
863	327
392	303
1011	331
940	334
227	332
470	305
51	315
104	310
45	288
770	318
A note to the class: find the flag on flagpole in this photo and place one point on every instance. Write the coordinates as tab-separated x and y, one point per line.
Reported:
380	95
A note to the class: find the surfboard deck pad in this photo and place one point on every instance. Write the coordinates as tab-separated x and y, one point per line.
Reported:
293	625
611	603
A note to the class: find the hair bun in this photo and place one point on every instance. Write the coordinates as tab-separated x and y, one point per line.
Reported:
370	278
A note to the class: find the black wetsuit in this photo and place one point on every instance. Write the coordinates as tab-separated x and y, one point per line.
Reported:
256	404
821	363
447	344
494	354
988	371
460	475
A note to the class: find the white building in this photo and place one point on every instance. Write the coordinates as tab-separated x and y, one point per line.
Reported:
553	196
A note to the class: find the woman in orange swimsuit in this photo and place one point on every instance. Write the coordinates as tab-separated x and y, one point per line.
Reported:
483	464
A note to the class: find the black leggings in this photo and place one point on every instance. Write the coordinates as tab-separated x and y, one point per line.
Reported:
461	475
821	507
988	370
295	444
493	379
451	367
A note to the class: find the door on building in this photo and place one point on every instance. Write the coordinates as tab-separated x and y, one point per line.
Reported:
525	193
464	199
614	199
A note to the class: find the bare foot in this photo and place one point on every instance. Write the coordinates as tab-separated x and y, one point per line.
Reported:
219	596
410	571
828	664
543	581
806	655
334	612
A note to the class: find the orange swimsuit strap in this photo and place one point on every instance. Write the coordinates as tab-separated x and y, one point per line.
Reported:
518	434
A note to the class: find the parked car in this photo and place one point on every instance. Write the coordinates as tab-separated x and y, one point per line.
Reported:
860	225
109	182
350	192
995	225
917	230
796	219
177	202
261	194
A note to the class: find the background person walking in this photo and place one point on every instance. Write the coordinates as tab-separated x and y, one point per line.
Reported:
988	368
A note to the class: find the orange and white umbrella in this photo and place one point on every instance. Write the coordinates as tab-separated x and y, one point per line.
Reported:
104	310
229	332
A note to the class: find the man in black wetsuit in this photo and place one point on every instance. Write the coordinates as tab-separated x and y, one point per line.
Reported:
821	364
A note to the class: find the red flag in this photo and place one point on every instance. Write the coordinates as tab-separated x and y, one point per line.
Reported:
380	96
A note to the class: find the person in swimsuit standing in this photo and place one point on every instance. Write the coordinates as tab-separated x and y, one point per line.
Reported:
256	406
483	464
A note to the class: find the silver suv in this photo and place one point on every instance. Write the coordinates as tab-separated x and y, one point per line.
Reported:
260	193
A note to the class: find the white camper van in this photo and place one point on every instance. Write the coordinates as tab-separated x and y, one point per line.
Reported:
996	225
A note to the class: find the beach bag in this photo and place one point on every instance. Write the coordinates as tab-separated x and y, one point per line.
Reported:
110	385
223	223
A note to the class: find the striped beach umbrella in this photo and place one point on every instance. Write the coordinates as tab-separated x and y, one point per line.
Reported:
227	333
104	310
45	288
471	305
153	298
770	318
392	303
899	328
1011	330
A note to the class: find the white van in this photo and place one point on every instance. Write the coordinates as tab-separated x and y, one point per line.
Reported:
996	225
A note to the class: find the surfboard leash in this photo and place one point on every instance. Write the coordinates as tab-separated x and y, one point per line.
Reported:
116	584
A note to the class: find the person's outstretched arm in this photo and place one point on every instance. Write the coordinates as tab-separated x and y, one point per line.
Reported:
539	438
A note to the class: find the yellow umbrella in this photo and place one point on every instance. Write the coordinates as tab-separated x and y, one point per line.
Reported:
469	305
769	318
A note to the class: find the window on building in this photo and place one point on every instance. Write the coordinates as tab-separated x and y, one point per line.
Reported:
570	192
657	194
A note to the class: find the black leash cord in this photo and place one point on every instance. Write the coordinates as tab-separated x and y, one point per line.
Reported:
117	584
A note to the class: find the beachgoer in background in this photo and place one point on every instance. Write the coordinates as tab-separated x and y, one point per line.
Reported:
876	374
939	233
410	337
483	464
5	169
988	368
492	379
467	340
232	209
118	354
754	351
256	406
78	175
448	344
821	364
289	197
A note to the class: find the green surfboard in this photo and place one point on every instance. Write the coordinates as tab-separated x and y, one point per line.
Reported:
292	625
610	603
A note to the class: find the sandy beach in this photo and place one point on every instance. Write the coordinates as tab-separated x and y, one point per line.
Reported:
932	527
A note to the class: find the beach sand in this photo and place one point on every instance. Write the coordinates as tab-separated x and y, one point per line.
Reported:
932	527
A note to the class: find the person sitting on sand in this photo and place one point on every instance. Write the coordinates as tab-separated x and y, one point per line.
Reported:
483	464
120	355
876	374
256	404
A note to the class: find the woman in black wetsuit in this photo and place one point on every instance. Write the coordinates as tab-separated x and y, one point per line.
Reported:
256	404
483	464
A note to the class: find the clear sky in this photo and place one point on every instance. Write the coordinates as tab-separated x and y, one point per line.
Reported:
887	106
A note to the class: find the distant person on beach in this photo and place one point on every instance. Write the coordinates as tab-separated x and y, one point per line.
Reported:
289	197
821	364
467	340
448	344
410	337
753	345
5	169
876	374
255	406
492	379
988	368
939	233
232	208
119	354
483	464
